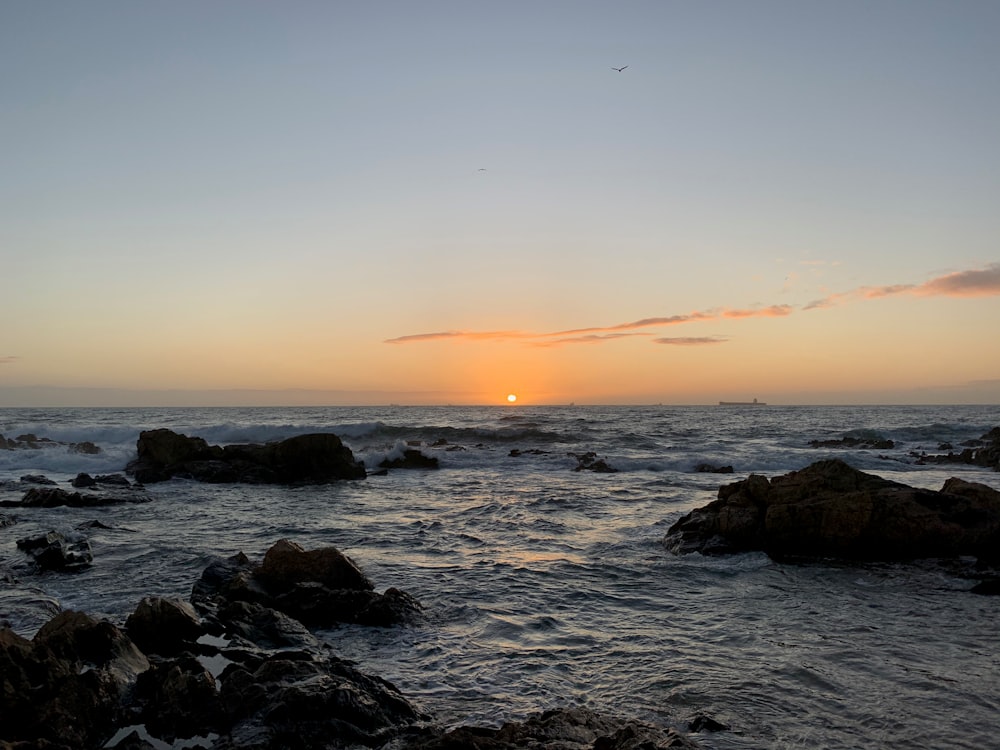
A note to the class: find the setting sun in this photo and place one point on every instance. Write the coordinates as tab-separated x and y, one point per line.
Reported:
511	398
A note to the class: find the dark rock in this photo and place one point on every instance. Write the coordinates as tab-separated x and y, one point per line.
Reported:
6	521
286	564
116	480
319	587
590	462
703	723
33	442
303	701
315	458
65	686
178	698
982	452
988	587
411	459
95	524
560	729
832	510
266	628
712	469
37	479
164	626
83	480
53	551
52	497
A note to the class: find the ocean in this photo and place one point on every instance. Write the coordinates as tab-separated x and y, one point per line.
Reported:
544	586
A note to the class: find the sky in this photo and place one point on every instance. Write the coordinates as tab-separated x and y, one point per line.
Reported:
246	202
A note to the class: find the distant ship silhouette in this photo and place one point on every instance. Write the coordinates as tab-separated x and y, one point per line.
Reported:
755	402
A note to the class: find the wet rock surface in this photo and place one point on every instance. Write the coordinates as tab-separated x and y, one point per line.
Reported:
239	675
830	509
304	459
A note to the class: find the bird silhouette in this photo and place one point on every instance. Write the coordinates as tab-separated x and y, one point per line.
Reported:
621	68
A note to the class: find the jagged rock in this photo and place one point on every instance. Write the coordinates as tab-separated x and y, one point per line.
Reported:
54	551
315	458
590	462
300	700
832	510
265	627
178	698
164	626
65	685
30	441
83	480
319	587
982	452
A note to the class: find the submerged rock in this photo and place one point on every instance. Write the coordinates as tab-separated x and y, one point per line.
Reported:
53	497
832	510
982	452
590	462
309	459
54	551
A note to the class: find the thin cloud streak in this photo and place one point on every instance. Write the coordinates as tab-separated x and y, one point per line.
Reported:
590	338
8	360
984	282
690	340
975	283
599	333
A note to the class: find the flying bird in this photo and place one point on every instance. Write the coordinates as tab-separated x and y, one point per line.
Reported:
620	69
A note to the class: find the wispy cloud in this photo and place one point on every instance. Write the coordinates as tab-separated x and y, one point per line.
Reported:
589	338
598	334
690	340
984	282
975	283
8	360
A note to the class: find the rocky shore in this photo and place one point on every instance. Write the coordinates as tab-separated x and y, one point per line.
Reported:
235	668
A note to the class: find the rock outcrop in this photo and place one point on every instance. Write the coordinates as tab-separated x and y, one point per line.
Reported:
319	587
261	682
982	452
832	510
55	551
304	459
33	442
53	497
65	687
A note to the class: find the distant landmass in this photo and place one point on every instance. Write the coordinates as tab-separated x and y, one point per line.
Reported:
755	402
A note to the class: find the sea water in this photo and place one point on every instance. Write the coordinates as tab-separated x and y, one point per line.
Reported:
544	586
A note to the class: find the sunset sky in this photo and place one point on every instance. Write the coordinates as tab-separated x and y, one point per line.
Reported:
447	202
